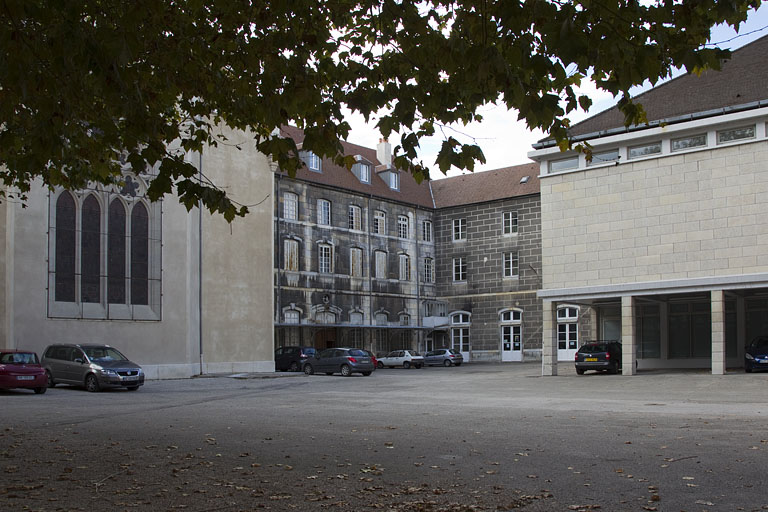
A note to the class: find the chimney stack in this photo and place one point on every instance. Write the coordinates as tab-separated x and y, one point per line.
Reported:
384	152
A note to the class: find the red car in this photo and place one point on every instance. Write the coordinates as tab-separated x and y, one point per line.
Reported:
22	369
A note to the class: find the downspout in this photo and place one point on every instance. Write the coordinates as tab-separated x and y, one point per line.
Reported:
200	267
418	280
280	259
371	266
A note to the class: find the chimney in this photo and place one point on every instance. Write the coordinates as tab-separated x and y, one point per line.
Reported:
384	152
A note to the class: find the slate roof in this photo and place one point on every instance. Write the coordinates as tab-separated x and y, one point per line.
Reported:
338	176
485	186
742	80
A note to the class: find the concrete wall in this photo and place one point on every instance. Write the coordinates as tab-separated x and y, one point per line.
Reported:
683	216
237	300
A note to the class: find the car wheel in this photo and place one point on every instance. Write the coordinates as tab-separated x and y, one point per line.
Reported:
308	370
579	371
51	382
40	391
447	363
294	367
132	388
379	365
367	374
614	369
92	383
346	371
406	365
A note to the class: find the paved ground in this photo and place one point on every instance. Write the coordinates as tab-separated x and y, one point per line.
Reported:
478	437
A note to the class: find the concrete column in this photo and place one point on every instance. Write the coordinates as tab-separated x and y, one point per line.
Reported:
718	332
741	327
628	342
548	342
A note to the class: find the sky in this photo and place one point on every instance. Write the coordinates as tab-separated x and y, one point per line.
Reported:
506	141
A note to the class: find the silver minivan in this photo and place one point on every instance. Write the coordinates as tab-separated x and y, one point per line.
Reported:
92	366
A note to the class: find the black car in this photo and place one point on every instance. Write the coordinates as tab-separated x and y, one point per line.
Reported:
599	356
756	356
291	358
345	361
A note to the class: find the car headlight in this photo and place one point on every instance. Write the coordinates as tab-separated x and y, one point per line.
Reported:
106	371
749	356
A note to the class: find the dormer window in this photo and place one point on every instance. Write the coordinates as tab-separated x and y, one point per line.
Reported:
394	180
365	173
313	162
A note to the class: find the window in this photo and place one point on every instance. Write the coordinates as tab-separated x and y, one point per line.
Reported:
290	206
459	269
511	316
405	267
325	253
460	332
379	222
325	317
405	319
653	148
323	212
292	316
291	255
434	308
511	264
394	180
426	231
509	222
460	318
381	264
567	328
511	330
564	164
103	260
313	162
459	229
689	142
402	226
744	132
355	217
356	262
356	318
429	270
364	172
604	157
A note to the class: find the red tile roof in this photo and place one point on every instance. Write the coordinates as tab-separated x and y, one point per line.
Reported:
485	186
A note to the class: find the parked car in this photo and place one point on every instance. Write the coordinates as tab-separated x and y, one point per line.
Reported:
756	355
291	358
373	358
21	369
91	366
345	361
599	356
404	358
444	357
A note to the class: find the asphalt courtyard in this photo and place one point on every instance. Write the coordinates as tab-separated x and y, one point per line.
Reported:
479	437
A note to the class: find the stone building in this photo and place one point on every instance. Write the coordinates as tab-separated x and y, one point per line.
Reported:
661	237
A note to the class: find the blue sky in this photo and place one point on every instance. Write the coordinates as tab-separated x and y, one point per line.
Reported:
506	141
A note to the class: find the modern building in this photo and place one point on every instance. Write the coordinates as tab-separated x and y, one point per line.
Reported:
661	238
176	291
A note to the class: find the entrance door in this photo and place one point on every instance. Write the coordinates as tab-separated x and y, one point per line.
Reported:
567	341
511	343
460	341
325	338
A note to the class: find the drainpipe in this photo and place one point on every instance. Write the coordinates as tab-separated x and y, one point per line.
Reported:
200	267
371	266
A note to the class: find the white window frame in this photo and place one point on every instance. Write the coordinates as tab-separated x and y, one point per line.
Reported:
314	162
323	212
511	264
355	217
459	230
325	258
459	266
429	270
404	267
365	172
379	222
290	206
394	180
509	224
292	316
567	327
402	226
426	230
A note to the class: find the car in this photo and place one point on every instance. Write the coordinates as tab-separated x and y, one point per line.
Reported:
373	358
404	358
756	355
599	356
291	358
444	357
22	369
92	366
345	361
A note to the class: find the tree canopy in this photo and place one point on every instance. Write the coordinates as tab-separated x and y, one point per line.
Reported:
86	85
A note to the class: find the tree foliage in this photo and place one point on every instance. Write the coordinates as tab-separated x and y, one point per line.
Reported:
86	84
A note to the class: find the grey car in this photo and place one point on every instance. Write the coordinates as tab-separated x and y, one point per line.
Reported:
345	361
444	357
92	366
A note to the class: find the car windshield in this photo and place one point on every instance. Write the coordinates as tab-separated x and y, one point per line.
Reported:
19	358
414	353
594	348
358	352
104	354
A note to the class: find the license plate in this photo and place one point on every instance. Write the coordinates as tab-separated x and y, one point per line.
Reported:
762	361
25	377
590	359
131	378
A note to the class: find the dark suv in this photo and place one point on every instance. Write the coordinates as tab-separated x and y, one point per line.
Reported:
599	356
291	358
